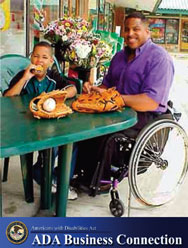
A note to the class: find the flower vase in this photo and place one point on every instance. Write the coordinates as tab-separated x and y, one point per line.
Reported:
93	75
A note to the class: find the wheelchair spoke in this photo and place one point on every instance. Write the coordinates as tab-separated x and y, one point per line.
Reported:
146	159
151	155
159	163
156	142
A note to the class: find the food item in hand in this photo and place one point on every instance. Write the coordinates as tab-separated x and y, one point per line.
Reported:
37	69
50	105
108	100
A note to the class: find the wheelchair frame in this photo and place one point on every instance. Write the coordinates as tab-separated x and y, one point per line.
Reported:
147	134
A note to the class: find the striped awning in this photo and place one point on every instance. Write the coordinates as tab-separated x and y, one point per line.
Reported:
174	4
173	7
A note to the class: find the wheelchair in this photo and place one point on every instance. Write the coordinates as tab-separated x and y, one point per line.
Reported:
156	167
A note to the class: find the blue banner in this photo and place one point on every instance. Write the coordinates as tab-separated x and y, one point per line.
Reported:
93	232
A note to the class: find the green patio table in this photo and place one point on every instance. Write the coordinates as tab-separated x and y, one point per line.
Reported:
21	133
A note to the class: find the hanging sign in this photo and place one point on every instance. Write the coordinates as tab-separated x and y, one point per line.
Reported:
4	14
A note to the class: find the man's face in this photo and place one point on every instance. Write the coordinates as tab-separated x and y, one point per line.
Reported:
42	56
136	33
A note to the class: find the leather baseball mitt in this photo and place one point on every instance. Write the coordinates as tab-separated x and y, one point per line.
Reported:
50	105
108	100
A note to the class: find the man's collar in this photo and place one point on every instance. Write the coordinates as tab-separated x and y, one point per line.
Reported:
139	49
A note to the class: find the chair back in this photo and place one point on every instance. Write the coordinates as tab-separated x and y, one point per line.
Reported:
11	64
75	81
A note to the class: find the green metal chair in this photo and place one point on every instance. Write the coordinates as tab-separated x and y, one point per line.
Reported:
11	64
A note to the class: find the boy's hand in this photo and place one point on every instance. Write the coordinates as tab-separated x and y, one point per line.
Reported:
88	88
29	72
97	89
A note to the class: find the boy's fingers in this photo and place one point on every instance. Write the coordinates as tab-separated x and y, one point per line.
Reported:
87	87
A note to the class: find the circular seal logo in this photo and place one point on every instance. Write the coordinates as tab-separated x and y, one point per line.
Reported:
17	232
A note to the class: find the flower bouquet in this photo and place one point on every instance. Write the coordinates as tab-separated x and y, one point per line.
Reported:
74	42
88	52
66	30
62	32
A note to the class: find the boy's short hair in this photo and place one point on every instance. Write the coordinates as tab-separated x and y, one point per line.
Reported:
44	44
138	15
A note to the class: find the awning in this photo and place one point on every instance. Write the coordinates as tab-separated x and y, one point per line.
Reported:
173	7
147	5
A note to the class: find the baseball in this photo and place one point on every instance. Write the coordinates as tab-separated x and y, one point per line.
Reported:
49	104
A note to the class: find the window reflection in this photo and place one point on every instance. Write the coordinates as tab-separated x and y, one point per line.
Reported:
13	38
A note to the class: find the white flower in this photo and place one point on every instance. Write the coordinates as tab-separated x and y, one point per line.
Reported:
64	38
82	50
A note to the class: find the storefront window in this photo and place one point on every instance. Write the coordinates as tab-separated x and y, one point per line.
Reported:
107	15
171	33
73	7
66	7
41	10
93	13
184	35
101	16
157	27
13	34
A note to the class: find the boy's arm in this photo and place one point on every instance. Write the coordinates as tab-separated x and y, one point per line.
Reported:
62	83
18	86
71	91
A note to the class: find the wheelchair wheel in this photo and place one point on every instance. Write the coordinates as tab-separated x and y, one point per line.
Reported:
158	162
116	207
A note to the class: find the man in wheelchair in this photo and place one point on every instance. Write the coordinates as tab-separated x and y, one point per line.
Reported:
143	73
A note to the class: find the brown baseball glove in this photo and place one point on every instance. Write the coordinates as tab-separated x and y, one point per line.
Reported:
109	100
50	105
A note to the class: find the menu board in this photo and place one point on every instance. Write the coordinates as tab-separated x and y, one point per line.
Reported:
171	34
184	35
157	28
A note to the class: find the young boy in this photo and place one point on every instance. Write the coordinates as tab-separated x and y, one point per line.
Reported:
35	79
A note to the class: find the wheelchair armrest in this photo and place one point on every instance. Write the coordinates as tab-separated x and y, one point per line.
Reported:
174	112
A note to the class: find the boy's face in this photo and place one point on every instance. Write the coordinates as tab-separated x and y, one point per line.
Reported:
42	56
136	33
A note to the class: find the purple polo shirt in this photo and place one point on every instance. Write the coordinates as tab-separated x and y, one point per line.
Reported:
150	72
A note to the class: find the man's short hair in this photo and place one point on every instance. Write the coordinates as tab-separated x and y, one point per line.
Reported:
43	44
138	15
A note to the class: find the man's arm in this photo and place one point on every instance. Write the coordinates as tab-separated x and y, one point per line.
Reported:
18	86
140	102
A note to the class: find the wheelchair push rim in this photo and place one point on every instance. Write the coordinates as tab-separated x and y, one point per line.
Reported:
156	173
